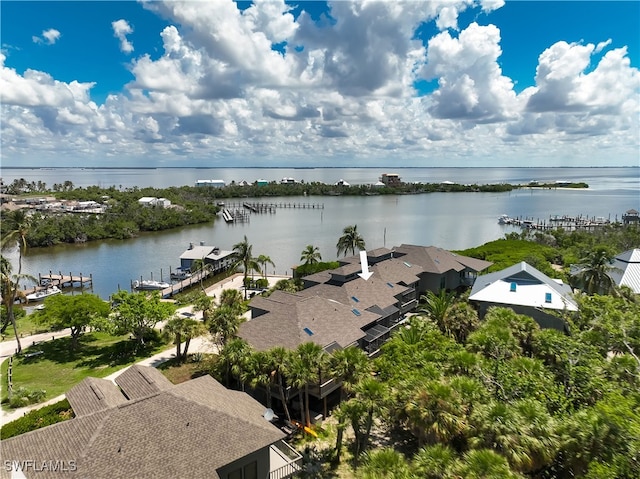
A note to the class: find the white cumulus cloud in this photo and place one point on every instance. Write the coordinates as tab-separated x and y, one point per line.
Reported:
48	37
121	29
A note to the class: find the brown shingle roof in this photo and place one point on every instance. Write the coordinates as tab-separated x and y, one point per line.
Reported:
140	381
437	260
327	320
190	430
93	395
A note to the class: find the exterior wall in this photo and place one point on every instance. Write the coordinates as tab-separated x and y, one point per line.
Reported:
261	457
544	320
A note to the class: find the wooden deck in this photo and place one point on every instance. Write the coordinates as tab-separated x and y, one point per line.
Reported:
184	284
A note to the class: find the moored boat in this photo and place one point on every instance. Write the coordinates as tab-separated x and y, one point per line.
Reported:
43	293
148	285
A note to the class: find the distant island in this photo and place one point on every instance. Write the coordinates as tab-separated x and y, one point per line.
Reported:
66	214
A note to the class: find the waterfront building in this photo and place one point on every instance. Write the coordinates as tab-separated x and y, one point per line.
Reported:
211	183
217	259
391	179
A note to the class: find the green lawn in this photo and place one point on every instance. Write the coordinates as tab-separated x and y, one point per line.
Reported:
26	327
59	368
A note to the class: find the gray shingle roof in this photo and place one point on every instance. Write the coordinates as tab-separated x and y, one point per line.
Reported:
140	381
190	430
93	395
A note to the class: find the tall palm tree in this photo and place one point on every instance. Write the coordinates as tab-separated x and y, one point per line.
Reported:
232	360
304	368
17	236
183	329
349	365
311	255
595	272
373	395
231	298
223	324
280	359
243	256
258	372
264	260
350	240
8	284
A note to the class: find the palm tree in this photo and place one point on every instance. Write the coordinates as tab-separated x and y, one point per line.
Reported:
311	255
373	396
183	329
385	463
17	236
203	303
595	272
349	365
264	261
304	368
223	324
434	462
258	371
350	241
280	359
484	464
8	284
232	360
436	413
437	307
231	298
242	256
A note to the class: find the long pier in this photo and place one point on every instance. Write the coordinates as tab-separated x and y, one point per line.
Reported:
271	207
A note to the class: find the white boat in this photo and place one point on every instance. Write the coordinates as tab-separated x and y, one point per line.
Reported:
44	293
505	220
180	274
150	285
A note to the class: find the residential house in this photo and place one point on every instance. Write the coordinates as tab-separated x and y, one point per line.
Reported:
149	201
216	258
144	426
526	290
442	269
626	269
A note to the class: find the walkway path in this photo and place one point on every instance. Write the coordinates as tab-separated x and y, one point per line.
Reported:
201	344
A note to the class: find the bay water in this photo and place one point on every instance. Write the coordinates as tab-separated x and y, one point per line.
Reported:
452	221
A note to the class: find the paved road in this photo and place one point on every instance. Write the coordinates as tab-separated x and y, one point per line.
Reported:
202	344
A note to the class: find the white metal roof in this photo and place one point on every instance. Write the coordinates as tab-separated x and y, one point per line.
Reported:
626	270
523	285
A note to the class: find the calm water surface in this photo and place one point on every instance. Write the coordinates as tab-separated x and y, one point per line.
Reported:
448	220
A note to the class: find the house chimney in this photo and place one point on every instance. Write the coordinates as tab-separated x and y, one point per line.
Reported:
190	245
201	243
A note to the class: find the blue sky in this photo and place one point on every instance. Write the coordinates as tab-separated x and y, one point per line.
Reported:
438	83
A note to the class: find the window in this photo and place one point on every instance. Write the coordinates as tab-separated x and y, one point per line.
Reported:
355	299
237	474
355	311
308	331
547	297
443	282
513	287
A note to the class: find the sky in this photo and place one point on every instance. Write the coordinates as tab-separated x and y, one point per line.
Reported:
218	83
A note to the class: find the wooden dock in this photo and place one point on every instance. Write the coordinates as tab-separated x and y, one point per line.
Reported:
60	280
184	284
566	222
